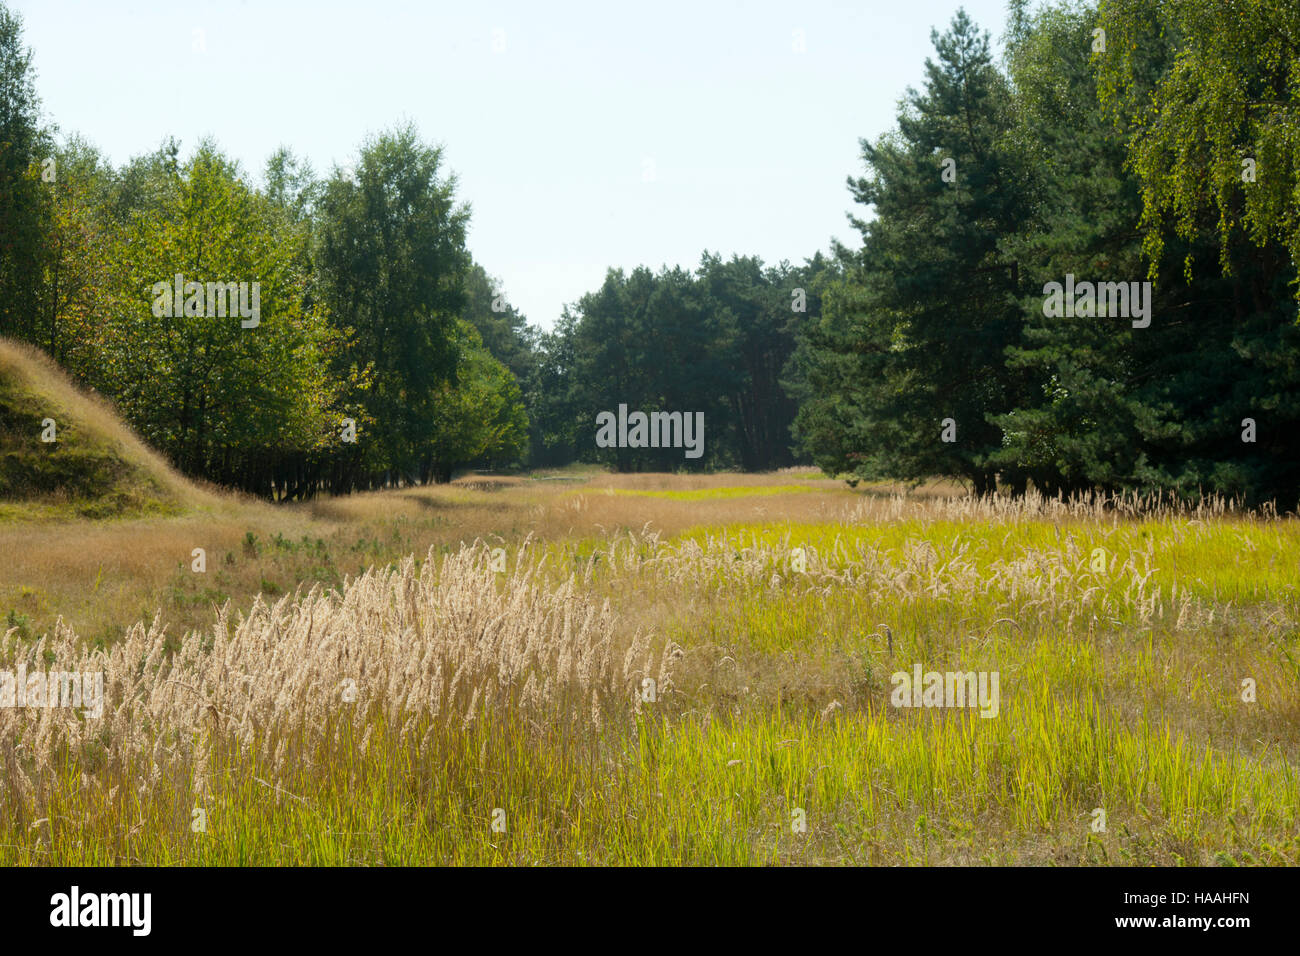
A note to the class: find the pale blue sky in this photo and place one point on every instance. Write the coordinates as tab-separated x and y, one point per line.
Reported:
601	134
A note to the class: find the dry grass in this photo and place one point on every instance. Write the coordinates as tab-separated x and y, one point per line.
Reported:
101	577
418	649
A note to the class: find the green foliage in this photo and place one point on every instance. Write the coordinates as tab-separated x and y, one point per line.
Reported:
1118	407
481	419
918	336
942	313
756	308
24	200
503	329
1082	422
376	324
392	260
717	341
1230	93
76	268
222	400
555	419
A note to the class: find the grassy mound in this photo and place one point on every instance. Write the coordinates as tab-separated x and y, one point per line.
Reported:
95	468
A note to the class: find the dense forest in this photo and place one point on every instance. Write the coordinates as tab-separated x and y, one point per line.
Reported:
1077	269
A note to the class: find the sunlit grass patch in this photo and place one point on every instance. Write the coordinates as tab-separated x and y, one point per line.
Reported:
1234	560
712	494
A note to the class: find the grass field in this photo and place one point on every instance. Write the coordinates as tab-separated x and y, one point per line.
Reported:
655	669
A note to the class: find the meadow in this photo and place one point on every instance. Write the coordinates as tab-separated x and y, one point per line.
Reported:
664	669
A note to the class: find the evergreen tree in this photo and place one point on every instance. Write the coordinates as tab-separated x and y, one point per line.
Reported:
926	324
25	203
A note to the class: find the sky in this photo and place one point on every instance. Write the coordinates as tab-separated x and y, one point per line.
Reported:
583	136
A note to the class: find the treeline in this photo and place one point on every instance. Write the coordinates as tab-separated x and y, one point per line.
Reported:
1141	141
716	341
1078	269
302	335
1141	158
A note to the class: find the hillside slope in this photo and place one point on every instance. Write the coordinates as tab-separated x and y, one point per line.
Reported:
95	468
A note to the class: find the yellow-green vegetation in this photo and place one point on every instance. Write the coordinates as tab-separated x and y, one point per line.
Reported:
712	687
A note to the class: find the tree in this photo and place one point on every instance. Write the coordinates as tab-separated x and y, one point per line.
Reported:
481	419
554	415
922	331
227	397
392	262
653	342
1083	421
1218	128
757	304
814	279
24	200
79	254
504	330
1207	99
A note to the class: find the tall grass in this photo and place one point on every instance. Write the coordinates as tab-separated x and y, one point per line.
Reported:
629	697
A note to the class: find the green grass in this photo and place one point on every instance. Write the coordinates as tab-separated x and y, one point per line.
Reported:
869	790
